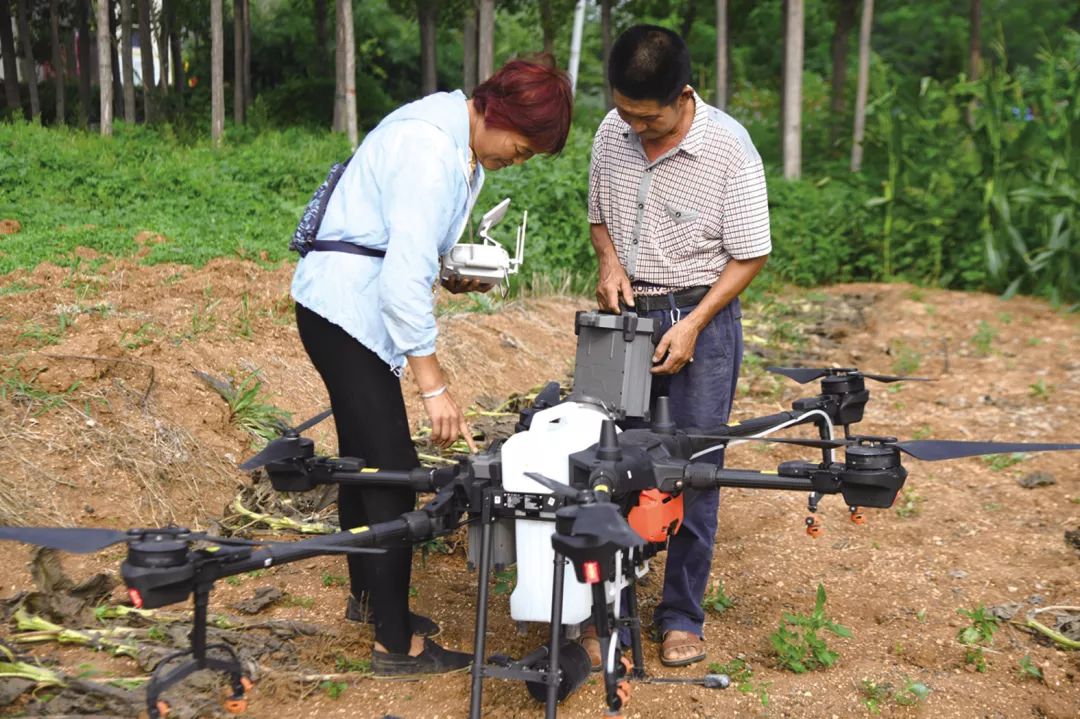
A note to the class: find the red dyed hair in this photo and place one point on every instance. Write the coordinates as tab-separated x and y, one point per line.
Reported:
531	97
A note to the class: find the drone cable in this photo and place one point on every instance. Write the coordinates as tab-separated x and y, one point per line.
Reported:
777	428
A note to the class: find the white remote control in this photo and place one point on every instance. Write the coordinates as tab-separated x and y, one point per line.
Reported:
487	261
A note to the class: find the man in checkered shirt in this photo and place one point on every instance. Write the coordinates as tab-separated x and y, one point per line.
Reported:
679	219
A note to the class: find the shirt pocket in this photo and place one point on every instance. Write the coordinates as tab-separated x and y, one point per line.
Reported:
680	230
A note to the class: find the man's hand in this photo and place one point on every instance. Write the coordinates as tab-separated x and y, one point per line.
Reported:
457	285
447	422
678	344
613	286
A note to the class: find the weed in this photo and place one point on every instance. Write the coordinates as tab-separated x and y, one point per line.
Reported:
906	359
797	643
334	580
716	601
414	592
334	690
243	320
1028	669
343	663
741	675
505	581
19	390
16	288
909	504
249	410
923	432
1004	318
921	616
916	294
43	337
204	320
139	338
1075	500
998	462
1040	390
976	635
983	339
157	633
911	693
293	600
991	506
1034	341
874	695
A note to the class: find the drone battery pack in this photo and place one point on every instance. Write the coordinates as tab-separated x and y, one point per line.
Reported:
614	356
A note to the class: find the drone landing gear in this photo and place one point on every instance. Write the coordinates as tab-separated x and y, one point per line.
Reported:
164	677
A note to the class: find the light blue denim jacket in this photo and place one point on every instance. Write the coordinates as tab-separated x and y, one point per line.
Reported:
408	192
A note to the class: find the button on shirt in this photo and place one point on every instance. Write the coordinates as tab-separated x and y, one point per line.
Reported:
676	222
408	191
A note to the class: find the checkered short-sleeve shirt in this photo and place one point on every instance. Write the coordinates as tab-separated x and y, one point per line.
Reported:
676	222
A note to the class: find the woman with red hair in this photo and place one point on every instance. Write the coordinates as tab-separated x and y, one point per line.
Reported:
365	310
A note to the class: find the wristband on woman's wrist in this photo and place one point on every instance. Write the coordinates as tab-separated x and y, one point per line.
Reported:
433	393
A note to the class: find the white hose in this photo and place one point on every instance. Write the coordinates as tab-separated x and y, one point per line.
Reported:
782	425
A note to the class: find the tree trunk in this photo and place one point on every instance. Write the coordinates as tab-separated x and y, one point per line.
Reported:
469	48
7	49
174	44
146	54
975	41
841	40
247	56
485	54
688	19
606	42
83	66
547	26
339	67
162	37
721	54
217	73
349	64
105	72
238	62
57	59
428	13
793	66
320	26
126	62
114	56
29	65
575	45
863	85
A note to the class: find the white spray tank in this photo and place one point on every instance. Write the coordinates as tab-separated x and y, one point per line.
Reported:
554	434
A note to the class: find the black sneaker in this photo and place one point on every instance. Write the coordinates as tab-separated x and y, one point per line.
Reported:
433	660
359	610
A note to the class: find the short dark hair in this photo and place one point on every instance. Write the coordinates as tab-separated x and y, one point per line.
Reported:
649	62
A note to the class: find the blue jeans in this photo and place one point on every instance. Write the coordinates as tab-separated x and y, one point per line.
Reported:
700	396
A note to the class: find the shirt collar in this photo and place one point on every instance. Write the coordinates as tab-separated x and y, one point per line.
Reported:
695	138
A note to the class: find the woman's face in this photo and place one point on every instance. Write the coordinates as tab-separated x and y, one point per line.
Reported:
496	148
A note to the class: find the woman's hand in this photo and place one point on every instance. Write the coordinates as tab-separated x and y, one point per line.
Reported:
457	285
447	421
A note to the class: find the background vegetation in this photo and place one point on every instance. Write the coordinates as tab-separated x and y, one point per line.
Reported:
965	184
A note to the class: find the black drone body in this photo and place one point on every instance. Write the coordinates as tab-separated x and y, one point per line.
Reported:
623	500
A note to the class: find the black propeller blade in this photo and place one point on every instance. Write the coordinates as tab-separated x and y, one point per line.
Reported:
802	375
932	450
554	487
276	450
78	541
309	423
929	450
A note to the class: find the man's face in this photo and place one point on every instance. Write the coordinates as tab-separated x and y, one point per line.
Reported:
648	118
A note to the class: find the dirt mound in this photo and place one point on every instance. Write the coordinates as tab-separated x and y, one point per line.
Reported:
103	422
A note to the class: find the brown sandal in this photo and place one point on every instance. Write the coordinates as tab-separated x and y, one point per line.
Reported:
680	649
590	642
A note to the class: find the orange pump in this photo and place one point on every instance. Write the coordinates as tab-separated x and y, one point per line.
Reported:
657	515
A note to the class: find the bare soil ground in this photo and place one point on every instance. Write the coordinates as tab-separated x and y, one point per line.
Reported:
103	423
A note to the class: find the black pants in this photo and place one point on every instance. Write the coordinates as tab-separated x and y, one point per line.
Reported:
369	412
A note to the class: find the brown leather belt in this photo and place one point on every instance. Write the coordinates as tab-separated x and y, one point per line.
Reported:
683	298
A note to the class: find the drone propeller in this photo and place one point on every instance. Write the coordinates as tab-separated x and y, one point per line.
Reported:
287	446
928	450
87	541
552	486
802	375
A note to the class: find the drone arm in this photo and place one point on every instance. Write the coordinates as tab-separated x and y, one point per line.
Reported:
704	439
704	475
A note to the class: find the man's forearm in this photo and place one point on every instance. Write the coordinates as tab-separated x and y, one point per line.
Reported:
735	278
603	245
